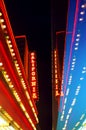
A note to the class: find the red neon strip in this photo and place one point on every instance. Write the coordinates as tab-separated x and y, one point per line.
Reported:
8	63
14	105
15	79
21	36
3	8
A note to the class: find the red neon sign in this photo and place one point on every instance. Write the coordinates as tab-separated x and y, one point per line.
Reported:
56	73
58	89
33	74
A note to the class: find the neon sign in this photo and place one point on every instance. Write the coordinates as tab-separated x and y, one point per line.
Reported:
33	74
56	74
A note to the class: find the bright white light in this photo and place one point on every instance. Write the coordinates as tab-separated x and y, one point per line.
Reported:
2	121
76	48
5	125
11	128
11	85
20	73
81	78
6	75
62	118
77	39
70	76
72	68
74	59
17	64
82	12
73	102
0	14
1	63
3	26
82	6
78	35
84	125
11	50
10	46
7	37
9	79
77	124
9	41
77	44
73	63
67	92
66	121
13	54
70	110
64	107
69	83
78	88
65	100
81	19
77	91
84	68
83	72
67	117
1	20
65	125
82	116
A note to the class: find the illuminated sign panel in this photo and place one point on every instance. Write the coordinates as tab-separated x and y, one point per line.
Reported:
57	91
33	75
56	77
57	80
72	115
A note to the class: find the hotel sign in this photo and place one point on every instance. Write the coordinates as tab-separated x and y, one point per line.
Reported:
57	80
56	73
33	75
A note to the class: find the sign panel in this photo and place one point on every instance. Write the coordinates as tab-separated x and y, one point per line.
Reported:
33	76
57	80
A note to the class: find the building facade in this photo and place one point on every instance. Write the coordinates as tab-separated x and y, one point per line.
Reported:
58	27
17	106
72	106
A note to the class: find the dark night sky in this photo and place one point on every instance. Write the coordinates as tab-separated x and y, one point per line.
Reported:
33	19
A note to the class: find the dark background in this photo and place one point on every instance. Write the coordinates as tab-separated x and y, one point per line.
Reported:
33	18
